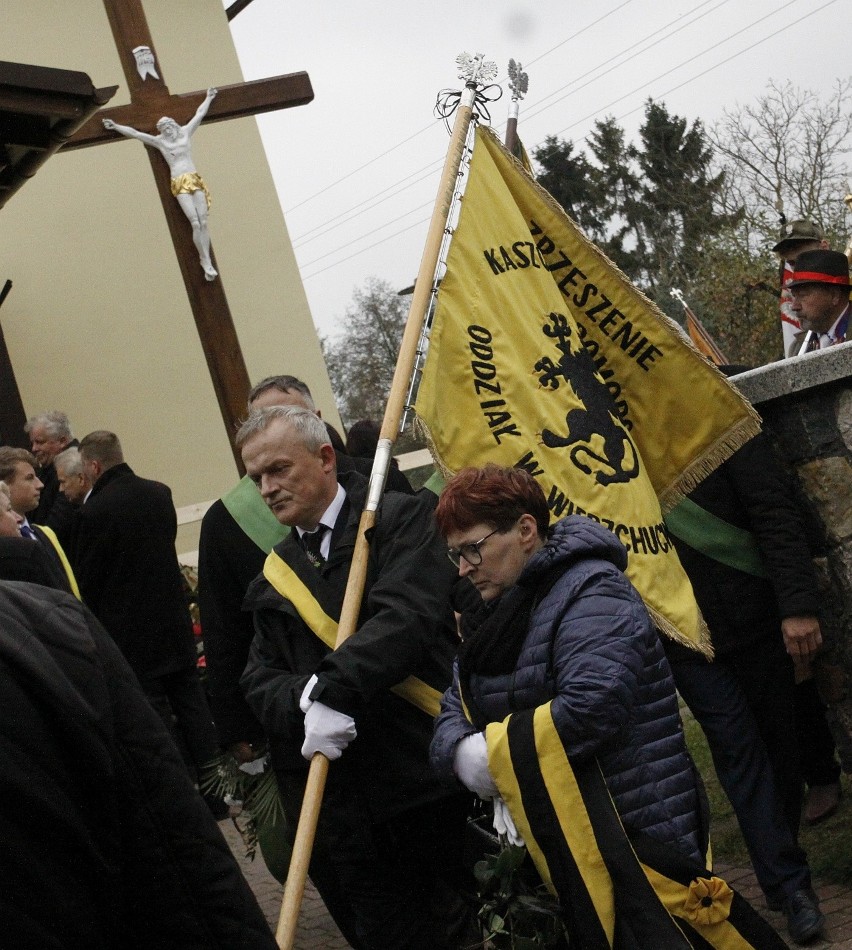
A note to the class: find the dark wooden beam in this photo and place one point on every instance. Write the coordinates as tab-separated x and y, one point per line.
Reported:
12	415
27	131
23	162
232	102
237	7
150	101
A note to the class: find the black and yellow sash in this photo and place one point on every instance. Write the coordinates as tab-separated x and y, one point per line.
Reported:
315	616
617	891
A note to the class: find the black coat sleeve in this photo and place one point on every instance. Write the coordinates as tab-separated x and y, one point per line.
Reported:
108	842
408	625
227	562
767	494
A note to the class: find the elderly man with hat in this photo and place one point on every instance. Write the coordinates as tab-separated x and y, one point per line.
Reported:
796	238
820	291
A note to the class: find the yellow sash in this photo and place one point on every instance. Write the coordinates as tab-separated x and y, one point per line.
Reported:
288	583
50	534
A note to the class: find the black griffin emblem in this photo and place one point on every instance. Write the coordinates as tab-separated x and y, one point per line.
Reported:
597	417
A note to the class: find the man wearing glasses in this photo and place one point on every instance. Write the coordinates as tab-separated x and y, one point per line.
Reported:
389	832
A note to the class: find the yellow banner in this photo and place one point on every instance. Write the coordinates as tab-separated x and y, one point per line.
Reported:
543	355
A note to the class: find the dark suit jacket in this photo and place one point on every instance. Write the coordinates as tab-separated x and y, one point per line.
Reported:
35	561
228	561
54	509
753	492
128	571
799	339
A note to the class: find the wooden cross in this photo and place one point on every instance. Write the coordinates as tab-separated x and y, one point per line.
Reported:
150	100
12	415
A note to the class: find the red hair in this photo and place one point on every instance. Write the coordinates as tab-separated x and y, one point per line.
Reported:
491	495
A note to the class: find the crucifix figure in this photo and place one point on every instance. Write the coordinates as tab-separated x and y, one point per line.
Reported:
187	185
151	99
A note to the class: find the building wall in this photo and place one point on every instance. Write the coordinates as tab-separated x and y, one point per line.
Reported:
98	322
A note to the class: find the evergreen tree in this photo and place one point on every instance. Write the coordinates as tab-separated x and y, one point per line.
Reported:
679	196
652	207
567	177
616	187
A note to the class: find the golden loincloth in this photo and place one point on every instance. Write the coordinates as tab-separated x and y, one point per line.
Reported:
188	183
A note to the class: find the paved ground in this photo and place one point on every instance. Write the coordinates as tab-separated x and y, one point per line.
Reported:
316	930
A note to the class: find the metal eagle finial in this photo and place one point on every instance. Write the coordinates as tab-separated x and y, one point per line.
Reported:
476	69
518	80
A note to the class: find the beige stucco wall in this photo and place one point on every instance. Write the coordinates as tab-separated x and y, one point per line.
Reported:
98	321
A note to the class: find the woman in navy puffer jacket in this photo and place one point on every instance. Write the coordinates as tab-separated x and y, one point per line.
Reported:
578	635
563	713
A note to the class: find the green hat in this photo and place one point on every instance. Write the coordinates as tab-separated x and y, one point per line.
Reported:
795	232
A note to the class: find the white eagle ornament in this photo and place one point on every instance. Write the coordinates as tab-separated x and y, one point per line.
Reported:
476	69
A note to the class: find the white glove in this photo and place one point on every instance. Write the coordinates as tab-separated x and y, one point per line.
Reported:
471	766
504	825
327	731
304	702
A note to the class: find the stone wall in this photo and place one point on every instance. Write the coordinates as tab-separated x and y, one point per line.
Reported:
806	406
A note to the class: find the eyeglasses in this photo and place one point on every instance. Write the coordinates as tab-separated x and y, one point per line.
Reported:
470	552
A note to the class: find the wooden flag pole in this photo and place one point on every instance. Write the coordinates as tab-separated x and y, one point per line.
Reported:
473	71
698	333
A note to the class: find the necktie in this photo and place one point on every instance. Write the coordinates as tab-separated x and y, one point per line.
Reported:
27	532
312	543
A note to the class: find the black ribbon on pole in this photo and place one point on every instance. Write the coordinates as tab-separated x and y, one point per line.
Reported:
448	101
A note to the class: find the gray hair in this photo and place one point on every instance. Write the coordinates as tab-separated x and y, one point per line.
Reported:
307	425
69	461
54	422
4	490
284	384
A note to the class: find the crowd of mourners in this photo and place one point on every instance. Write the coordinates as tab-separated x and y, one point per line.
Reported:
501	665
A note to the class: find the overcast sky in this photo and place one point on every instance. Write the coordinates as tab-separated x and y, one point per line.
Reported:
357	169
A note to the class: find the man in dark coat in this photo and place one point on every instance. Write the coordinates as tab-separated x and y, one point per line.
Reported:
820	291
50	434
741	540
17	471
129	577
20	559
237	533
389	832
103	839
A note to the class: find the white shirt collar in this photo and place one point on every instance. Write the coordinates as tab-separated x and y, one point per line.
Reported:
329	519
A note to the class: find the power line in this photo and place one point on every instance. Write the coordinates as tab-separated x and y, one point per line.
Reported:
367	248
355	171
534	111
414	135
590	115
353	212
349	214
726	39
387	224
